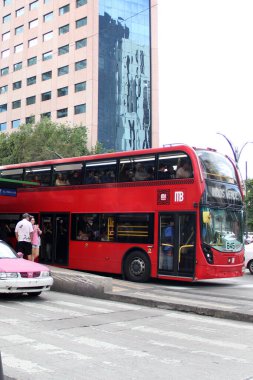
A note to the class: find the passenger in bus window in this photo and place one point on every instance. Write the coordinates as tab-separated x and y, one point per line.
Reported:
82	235
75	178
61	180
184	169
167	245
140	172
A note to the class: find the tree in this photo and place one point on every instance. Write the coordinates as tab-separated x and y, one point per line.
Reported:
249	203
44	140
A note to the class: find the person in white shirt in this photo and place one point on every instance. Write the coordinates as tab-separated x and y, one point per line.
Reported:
24	233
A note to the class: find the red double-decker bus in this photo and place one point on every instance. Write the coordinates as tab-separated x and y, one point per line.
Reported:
171	213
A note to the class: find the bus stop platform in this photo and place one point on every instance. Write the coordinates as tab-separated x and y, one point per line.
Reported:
216	298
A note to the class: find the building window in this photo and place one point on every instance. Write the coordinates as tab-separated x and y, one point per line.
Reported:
47	36
34	5
33	23
17	66
4	89
81	22
64	9
3	107
6	36
20	12
31	61
46	96
63	70
80	86
16	104
64	29
33	42
48	17
6	18
62	91
17	85
81	43
30	119
31	100
19	29
45	115
80	108
3	127
5	53
7	2
18	48
46	76
46	56
15	123
81	65
63	50
62	113
79	3
31	80
47	1
4	71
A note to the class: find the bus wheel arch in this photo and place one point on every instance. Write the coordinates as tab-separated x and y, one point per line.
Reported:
136	265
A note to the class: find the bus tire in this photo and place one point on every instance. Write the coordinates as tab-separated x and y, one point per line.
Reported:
250	266
137	267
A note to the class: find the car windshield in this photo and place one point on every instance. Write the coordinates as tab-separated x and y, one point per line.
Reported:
222	229
6	252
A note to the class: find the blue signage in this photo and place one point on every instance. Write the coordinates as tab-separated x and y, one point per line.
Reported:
8	192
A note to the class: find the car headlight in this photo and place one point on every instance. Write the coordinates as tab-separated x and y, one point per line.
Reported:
4	275
45	274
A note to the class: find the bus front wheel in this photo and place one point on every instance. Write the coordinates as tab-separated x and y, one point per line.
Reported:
137	267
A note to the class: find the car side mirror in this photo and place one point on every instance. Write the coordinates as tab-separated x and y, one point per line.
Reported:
20	255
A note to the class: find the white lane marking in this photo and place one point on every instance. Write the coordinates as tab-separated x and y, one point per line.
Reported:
80	306
17	339
205	319
206	353
53	309
118	305
23	365
188	337
11	321
55	350
109	346
177	300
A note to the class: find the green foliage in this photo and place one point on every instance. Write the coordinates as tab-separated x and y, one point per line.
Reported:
249	203
43	141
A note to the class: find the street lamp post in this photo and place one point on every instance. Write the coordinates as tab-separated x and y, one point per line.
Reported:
237	154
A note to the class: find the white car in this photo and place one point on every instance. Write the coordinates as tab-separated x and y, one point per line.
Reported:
249	257
18	275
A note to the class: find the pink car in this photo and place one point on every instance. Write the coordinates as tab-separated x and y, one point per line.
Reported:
18	275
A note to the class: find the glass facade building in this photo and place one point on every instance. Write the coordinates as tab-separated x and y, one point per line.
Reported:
85	62
124	103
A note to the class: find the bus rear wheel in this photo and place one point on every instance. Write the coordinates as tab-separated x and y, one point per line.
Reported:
137	267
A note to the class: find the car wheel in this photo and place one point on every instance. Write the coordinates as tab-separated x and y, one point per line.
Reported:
34	294
250	266
137	267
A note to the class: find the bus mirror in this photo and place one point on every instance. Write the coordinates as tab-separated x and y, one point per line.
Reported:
206	217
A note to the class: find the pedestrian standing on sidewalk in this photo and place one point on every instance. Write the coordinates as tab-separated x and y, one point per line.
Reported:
35	239
24	233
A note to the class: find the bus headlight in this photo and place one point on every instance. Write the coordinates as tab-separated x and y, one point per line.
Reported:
208	254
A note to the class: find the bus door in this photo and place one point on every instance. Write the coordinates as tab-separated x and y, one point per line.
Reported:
55	238
177	244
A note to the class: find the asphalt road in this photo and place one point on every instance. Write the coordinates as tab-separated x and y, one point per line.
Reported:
63	336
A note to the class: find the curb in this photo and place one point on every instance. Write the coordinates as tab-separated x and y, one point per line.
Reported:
199	310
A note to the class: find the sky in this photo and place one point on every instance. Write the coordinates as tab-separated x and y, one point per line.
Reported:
205	50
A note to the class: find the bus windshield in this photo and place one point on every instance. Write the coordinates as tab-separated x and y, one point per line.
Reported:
222	229
217	167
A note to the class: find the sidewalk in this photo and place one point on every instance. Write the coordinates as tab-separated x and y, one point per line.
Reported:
180	297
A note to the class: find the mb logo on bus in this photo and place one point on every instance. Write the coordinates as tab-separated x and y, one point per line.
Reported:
178	196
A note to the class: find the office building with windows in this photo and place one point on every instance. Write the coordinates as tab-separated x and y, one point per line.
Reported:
89	62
